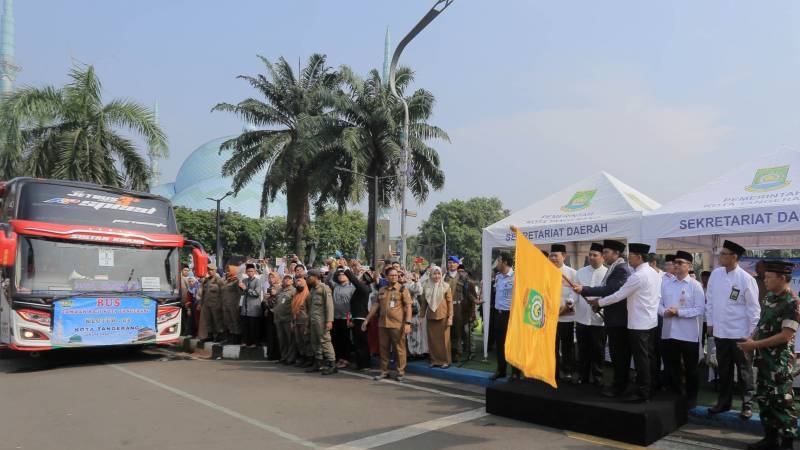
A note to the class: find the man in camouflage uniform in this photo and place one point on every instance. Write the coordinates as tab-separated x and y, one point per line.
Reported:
320	322
773	342
211	304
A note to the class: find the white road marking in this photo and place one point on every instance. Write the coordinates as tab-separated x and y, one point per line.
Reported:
257	423
419	388
411	431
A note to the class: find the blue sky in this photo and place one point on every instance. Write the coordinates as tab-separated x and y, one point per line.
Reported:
535	95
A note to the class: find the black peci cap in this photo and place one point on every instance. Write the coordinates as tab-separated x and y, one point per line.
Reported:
734	247
596	247
778	266
614	245
641	249
558	248
686	256
669	258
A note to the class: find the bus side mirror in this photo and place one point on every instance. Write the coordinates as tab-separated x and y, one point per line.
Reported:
8	245
200	260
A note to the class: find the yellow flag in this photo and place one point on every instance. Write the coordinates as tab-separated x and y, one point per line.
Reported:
536	299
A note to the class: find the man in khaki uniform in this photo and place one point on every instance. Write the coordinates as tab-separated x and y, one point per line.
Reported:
394	323
283	320
211	304
231	296
320	322
300	317
462	307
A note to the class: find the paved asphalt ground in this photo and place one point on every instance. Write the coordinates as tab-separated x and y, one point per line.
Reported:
156	399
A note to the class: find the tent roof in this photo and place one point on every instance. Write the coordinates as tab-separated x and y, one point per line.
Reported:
600	203
761	195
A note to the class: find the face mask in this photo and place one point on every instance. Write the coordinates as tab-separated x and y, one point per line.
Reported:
299	288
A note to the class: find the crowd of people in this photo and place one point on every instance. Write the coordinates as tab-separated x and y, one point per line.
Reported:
339	315
662	319
336	316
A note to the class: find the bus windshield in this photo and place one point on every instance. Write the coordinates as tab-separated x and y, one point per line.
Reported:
56	203
58	268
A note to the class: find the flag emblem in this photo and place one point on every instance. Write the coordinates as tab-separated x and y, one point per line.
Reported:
534	311
769	179
580	200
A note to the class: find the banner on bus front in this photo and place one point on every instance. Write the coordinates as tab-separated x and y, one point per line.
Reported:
95	321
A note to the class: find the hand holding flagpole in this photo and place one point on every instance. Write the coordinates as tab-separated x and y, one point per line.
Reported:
572	285
566	280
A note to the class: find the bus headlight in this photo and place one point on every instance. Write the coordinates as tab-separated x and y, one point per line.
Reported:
40	317
167	313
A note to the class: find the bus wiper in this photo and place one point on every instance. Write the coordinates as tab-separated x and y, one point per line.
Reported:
130	277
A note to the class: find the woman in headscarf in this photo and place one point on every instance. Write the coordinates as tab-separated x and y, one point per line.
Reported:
300	317
437	308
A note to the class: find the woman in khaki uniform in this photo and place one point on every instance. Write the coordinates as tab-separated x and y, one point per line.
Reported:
437	308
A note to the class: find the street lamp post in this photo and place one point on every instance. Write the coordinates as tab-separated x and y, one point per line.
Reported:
374	210
219	243
437	9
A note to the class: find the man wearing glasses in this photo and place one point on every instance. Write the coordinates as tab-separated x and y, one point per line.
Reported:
682	303
732	313
393	309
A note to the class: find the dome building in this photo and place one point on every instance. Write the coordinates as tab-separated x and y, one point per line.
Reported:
200	177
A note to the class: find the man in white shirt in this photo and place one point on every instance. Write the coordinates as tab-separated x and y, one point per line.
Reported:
565	334
669	267
732	313
682	306
589	324
643	291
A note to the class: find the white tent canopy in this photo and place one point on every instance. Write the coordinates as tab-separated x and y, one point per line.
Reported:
598	207
757	205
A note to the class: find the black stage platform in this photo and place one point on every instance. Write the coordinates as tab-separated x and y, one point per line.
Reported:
582	409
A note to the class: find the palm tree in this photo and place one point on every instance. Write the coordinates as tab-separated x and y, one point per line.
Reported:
370	139
69	133
293	128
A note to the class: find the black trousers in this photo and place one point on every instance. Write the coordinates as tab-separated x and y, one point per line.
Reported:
269	331
565	348
658	379
361	345
500	343
620	349
187	322
591	349
728	355
641	342
681	357
340	337
250	329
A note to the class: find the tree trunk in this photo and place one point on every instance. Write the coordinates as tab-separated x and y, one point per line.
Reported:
372	196
297	215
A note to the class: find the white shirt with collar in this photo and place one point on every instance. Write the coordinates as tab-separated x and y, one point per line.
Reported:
687	296
732	306
504	287
588	276
643	291
567	293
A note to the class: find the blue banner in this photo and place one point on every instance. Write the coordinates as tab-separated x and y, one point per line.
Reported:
92	321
